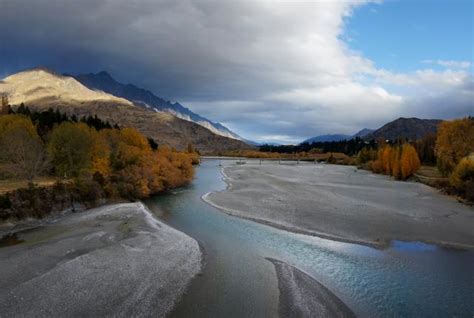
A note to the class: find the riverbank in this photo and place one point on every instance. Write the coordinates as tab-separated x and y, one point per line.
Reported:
303	296
116	260
343	203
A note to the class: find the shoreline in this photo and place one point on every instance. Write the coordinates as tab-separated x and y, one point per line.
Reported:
114	252
303	296
377	244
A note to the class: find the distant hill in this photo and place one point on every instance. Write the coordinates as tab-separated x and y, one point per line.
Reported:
362	133
328	138
410	128
41	89
103	81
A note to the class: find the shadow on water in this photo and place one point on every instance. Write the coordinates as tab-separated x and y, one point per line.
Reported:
407	279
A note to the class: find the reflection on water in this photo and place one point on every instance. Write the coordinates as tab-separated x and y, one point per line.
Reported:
413	246
408	279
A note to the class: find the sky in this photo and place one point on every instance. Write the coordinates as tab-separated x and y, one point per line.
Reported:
272	71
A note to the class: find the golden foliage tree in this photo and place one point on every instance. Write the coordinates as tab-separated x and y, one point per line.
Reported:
22	152
409	161
70	149
395	164
455	140
100	154
398	161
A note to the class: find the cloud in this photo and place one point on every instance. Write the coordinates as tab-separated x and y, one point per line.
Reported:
449	63
267	69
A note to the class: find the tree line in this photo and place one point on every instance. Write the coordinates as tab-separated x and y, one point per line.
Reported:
398	160
349	147
99	160
451	150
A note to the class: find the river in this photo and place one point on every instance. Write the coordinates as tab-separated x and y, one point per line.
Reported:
406	279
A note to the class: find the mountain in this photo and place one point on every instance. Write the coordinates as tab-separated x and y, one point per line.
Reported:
327	138
362	133
102	81
410	128
44	85
41	89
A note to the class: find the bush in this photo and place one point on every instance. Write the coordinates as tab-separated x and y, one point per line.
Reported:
87	191
5	206
462	178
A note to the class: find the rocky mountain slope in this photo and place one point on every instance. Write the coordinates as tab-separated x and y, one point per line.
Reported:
102	81
41	89
410	128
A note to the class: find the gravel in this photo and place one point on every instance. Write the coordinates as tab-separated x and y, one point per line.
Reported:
343	203
302	296
115	260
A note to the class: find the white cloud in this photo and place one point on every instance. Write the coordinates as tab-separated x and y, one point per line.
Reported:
449	63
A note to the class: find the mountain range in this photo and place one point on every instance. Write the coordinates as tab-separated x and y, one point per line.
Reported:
40	89
405	128
409	128
338	137
328	138
103	81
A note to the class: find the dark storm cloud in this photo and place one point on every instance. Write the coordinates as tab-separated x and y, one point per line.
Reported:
270	70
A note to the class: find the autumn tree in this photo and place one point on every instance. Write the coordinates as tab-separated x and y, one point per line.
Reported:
425	147
395	162
100	154
22	151
399	161
70	149
409	161
385	158
455	140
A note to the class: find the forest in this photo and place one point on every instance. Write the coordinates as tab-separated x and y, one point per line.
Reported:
93	161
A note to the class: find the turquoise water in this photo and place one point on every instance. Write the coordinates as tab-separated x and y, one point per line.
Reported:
405	280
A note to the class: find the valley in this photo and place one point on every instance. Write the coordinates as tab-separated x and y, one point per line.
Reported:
246	268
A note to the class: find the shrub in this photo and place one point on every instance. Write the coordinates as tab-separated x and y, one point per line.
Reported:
462	178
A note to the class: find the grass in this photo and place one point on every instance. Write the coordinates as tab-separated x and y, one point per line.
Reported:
430	175
13	184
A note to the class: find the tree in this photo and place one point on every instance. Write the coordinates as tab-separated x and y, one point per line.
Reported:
410	162
425	148
100	154
70	149
386	155
5	110
22	151
395	163
455	140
